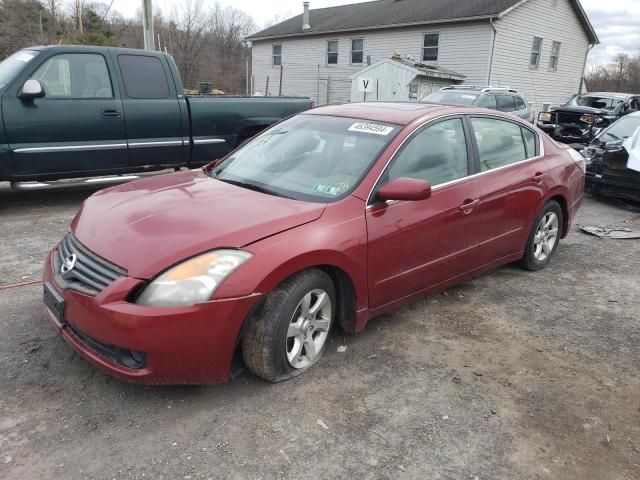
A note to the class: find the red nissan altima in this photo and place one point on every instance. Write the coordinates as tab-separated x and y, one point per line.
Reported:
333	216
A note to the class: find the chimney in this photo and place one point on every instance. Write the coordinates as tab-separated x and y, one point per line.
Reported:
305	16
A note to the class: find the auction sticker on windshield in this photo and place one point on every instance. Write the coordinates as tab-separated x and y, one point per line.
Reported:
374	128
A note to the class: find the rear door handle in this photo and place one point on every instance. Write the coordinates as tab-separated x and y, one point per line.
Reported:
539	176
468	206
111	113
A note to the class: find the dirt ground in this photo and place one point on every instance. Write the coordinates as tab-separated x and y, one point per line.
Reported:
513	375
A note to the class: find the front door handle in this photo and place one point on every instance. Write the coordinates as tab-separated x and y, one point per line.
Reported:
539	176
468	206
111	113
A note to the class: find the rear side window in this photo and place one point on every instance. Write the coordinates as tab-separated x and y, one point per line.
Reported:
506	103
143	76
488	101
500	143
520	105
530	139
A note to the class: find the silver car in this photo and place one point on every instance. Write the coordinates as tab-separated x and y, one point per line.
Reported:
504	99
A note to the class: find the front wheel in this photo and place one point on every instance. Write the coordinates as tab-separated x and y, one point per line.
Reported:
544	237
287	334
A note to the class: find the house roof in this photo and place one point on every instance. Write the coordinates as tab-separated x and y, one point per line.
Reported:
418	68
382	14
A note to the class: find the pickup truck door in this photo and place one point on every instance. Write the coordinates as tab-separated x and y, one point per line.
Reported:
77	127
156	131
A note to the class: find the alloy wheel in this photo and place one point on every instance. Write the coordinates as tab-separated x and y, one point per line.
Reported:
546	236
308	328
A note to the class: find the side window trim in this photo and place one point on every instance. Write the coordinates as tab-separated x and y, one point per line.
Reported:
115	93
371	200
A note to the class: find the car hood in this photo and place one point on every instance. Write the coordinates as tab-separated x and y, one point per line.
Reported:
149	225
589	110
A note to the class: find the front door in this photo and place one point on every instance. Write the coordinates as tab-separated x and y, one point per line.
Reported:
415	245
512	183
77	127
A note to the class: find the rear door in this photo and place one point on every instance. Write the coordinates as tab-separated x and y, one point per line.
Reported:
415	245
512	180
153	116
77	127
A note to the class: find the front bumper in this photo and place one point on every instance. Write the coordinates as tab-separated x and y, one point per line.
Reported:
577	135
612	186
180	345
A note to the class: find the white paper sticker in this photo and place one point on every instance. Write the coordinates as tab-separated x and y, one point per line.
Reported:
374	128
632	145
23	56
470	97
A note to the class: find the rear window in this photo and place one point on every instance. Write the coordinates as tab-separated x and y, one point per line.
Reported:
451	98
143	76
520	105
506	103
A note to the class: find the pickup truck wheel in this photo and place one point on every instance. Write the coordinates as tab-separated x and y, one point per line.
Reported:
287	334
544	237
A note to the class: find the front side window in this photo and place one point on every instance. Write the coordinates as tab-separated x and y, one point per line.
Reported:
276	51
357	50
536	50
437	153
555	55
488	101
332	52
313	158
143	77
430	44
75	75
506	103
500	142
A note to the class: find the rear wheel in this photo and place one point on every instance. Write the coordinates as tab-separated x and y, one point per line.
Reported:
287	334
544	237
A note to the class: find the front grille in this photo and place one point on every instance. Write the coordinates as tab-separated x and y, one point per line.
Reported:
570	118
90	274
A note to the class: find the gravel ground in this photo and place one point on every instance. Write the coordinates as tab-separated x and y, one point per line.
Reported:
513	375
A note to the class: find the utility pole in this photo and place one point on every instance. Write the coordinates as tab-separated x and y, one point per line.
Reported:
147	25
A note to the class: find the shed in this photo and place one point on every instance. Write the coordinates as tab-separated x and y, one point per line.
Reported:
400	79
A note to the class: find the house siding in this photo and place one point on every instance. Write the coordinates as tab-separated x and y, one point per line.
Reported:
463	48
514	39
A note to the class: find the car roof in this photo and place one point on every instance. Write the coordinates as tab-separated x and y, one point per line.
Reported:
609	94
399	113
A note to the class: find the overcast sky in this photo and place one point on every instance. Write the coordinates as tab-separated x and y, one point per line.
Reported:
617	22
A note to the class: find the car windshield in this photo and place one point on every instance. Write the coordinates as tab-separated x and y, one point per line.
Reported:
595	101
622	129
308	157
451	98
12	65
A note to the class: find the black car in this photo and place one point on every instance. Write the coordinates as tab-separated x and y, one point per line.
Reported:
606	158
586	115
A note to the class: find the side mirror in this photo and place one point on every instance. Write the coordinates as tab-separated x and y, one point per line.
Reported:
31	89
403	188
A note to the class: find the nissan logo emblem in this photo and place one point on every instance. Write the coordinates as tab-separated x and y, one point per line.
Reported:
68	264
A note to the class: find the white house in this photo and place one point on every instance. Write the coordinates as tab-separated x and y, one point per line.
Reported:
539	47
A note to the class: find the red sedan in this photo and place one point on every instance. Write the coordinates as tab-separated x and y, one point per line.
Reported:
333	216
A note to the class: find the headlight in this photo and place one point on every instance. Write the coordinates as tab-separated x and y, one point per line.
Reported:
544	117
590	118
192	281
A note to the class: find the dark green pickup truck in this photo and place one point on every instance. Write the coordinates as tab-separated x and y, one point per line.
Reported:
72	111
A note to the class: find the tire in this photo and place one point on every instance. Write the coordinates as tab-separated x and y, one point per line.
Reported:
544	237
286	324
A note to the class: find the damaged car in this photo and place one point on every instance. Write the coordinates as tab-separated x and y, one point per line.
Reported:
609	169
581	119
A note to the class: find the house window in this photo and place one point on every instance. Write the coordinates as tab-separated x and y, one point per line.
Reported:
430	47
332	52
555	54
277	55
546	107
357	50
536	49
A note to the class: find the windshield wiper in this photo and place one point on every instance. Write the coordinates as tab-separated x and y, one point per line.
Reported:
254	187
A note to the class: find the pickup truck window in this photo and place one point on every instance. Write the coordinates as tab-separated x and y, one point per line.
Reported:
143	76
75	75
12	65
